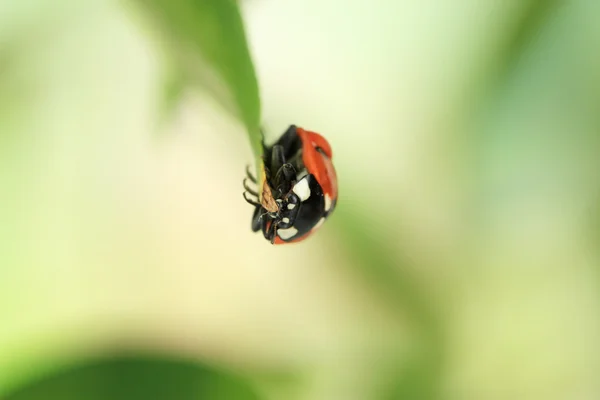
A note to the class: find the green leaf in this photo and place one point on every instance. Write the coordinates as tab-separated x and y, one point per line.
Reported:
174	88
526	24
534	15
197	34
135	377
379	267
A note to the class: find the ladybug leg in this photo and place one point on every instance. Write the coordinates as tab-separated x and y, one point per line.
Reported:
273	232
277	158
257	219
252	192
284	179
269	229
249	174
264	227
250	201
289	139
290	143
262	140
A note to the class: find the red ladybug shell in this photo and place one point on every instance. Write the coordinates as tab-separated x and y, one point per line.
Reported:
318	165
317	158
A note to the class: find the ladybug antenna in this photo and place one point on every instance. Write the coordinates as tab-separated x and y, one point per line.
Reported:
263	214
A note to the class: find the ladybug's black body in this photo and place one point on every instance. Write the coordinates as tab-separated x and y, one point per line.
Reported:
299	190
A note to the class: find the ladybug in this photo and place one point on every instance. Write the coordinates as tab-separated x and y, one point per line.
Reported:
298	187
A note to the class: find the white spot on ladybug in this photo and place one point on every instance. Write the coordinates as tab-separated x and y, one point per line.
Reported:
302	190
285	220
291	206
288	233
327	202
318	224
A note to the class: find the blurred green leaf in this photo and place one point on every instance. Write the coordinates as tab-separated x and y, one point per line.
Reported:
174	88
520	35
415	378
137	377
389	277
201	33
379	265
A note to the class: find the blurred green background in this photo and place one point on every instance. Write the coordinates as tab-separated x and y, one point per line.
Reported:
462	261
